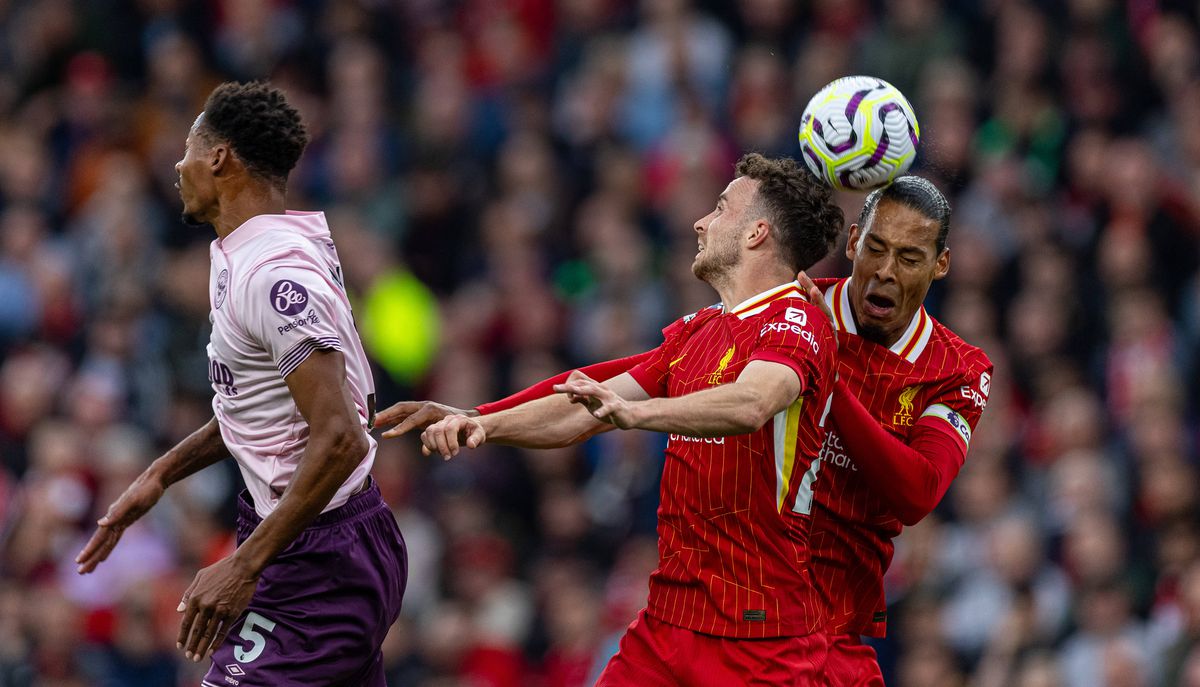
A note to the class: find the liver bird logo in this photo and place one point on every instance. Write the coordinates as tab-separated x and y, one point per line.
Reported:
907	397
715	377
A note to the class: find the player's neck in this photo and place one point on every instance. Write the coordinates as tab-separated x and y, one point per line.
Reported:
749	280
885	338
240	203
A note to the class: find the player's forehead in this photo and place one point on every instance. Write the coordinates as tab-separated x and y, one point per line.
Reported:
741	189
898	224
194	130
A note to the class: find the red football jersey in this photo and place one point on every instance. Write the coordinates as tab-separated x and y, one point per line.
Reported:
735	511
929	376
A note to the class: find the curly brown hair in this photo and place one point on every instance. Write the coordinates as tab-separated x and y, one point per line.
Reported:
799	207
256	120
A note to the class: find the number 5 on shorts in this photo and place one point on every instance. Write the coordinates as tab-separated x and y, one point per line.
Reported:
250	633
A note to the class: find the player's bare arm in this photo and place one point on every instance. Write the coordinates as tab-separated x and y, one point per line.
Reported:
549	422
336	445
420	414
409	415
762	390
199	450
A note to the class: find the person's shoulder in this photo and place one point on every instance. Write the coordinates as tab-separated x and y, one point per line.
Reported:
796	309
691	320
282	251
286	268
965	357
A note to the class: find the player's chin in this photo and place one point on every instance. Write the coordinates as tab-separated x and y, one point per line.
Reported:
191	219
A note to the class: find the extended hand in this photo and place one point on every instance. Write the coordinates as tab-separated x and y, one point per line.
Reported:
445	436
414	414
139	498
215	599
602	402
814	295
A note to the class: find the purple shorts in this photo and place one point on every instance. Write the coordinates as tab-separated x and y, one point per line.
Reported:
323	606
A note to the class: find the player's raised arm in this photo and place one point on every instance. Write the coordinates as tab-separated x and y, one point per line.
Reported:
200	449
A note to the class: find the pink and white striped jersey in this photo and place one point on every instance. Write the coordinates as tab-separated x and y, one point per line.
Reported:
276	295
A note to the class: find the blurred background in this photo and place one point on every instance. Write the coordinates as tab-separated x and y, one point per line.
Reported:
512	186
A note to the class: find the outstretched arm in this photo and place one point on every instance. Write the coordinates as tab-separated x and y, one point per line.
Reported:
761	390
409	415
199	450
549	422
600	371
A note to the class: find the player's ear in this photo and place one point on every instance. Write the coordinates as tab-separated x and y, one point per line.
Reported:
852	241
219	158
758	233
942	266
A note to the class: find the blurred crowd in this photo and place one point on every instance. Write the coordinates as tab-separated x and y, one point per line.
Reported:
512	186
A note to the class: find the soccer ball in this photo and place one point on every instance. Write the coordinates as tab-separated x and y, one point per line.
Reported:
859	133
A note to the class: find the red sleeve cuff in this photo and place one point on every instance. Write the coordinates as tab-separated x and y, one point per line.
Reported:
646	379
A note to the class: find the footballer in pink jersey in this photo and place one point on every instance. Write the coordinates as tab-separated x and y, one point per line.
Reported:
293	403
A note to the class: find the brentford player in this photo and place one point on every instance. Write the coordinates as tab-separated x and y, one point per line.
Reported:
909	395
742	390
293	401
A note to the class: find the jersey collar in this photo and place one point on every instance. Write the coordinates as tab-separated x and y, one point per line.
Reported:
911	343
260	224
758	303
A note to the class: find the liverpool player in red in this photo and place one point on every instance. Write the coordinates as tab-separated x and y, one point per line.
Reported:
909	394
743	390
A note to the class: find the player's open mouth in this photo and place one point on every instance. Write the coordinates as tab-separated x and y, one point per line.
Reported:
878	305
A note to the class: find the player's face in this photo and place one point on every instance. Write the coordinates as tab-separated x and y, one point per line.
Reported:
895	260
719	233
196	187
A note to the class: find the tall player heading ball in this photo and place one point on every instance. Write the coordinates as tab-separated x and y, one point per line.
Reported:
909	396
742	389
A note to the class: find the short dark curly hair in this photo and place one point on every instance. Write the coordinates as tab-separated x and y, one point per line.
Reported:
255	119
799	207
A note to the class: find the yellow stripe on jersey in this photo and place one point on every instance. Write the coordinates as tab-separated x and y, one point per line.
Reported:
787	429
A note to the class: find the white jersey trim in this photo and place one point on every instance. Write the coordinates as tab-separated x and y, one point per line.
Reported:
911	343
